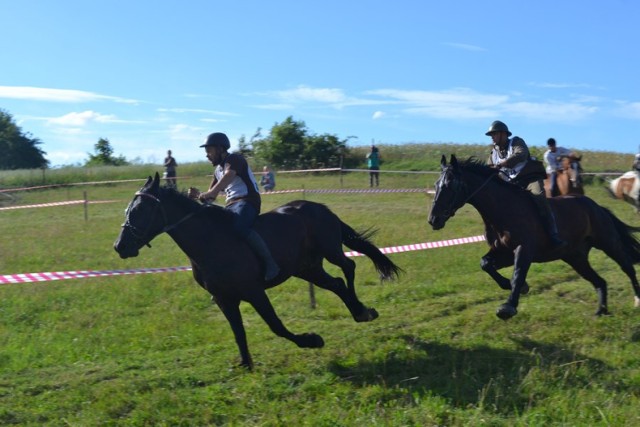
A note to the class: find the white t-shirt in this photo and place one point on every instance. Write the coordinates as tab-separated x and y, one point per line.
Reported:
551	158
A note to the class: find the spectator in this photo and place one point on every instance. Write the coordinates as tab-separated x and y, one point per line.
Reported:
268	179
170	166
373	163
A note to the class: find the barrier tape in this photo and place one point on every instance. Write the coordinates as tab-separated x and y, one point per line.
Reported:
46	205
312	191
352	190
65	275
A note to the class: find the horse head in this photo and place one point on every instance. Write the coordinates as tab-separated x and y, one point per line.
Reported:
145	218
451	193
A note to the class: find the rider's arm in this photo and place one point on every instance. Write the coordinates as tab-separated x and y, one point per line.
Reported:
217	187
520	153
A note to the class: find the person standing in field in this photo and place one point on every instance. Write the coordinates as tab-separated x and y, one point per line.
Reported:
170	166
373	163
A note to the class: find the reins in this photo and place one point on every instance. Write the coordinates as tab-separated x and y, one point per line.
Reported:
486	181
141	236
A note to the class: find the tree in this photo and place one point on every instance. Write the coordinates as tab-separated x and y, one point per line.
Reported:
289	146
19	151
104	155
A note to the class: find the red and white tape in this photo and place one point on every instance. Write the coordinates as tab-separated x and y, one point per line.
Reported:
353	190
65	275
46	205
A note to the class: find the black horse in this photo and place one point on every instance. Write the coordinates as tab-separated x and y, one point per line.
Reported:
300	235
517	237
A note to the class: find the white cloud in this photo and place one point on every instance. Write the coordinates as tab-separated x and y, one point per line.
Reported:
195	110
378	115
465	46
550	111
463	103
82	119
308	94
549	85
56	95
629	110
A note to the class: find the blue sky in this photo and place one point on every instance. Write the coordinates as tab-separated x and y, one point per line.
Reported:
157	75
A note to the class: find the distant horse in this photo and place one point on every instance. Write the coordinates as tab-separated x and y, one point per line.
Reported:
517	237
300	235
626	187
569	180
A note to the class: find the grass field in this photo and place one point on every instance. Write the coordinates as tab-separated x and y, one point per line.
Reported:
152	350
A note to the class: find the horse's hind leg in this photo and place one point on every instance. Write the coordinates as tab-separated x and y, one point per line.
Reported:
626	265
580	263
260	302
347	294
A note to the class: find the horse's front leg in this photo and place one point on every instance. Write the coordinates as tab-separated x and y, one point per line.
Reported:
260	302
231	310
495	260
522	261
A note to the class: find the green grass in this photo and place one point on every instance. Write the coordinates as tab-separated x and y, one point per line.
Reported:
152	350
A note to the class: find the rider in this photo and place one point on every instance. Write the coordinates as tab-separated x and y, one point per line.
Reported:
511	155
551	159
233	176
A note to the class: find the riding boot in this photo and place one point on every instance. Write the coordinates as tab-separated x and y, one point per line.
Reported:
549	221
261	249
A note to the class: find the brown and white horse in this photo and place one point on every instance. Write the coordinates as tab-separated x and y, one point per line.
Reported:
626	187
568	179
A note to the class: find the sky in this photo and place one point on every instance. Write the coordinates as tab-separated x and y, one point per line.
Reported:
152	76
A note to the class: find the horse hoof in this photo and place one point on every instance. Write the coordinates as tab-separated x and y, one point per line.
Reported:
367	315
506	311
310	340
636	302
603	311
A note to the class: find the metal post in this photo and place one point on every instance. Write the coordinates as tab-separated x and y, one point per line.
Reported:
86	206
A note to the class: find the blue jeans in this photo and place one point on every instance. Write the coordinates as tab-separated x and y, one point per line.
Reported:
553	183
245	216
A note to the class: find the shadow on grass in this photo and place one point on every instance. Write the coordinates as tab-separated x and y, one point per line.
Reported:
507	381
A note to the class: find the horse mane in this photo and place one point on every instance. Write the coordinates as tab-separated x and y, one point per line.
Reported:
479	167
214	212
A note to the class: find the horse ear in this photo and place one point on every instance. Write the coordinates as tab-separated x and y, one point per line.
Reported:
454	161
443	162
156	182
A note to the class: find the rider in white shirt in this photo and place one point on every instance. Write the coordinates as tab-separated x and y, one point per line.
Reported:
551	159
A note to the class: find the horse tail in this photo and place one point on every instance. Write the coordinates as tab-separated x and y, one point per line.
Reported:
625	232
361	242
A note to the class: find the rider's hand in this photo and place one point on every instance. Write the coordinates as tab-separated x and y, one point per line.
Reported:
193	193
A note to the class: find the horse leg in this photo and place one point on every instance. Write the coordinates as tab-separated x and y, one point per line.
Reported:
522	262
322	279
231	310
260	302
580	263
621	258
495	260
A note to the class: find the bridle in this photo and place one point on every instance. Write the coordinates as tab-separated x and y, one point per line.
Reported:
460	191
141	235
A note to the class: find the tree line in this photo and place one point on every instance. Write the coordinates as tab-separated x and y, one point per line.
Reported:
288	145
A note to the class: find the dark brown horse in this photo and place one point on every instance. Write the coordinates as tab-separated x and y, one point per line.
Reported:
300	235
568	179
517	237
